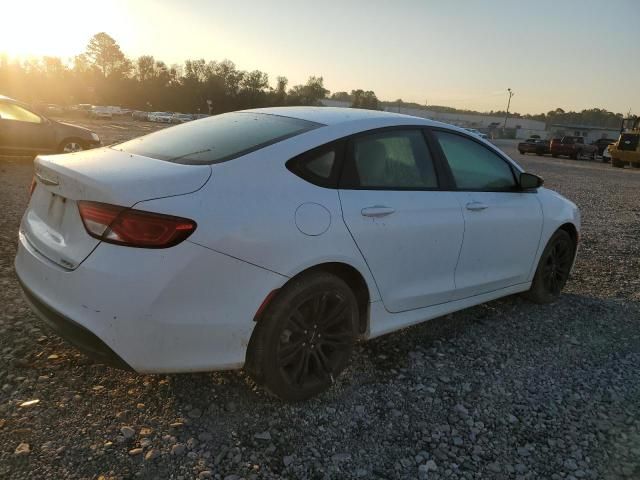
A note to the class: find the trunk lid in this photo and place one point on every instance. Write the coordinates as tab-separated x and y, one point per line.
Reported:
52	223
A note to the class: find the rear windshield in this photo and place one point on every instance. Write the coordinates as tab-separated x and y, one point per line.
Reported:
216	139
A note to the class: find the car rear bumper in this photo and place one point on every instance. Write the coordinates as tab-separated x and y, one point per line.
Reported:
181	309
74	333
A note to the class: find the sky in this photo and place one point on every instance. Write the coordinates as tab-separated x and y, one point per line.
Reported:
572	54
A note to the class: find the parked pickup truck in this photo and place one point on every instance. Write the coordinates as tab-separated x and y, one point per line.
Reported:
572	147
534	145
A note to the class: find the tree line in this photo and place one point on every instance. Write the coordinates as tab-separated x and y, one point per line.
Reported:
104	75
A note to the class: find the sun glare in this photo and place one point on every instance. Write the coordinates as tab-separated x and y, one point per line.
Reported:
35	28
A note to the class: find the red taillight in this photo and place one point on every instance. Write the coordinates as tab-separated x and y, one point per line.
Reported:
133	228
32	187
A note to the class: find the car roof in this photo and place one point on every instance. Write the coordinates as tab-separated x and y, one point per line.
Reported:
336	115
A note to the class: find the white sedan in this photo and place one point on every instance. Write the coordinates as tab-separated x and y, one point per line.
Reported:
477	133
160	117
276	238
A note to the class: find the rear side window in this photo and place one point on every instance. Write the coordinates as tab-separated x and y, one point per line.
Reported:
474	167
217	139
393	160
318	166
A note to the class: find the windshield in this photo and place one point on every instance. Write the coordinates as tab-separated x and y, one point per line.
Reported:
216	139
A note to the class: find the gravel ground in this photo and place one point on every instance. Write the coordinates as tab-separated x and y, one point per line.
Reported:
503	390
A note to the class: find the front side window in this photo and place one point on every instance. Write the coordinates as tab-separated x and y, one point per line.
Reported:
217	139
11	111
474	167
395	159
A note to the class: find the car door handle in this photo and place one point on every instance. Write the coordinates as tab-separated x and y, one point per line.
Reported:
476	206
377	211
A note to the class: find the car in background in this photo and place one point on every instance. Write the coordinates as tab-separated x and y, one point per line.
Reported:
276	239
534	145
161	117
181	118
25	132
140	115
100	112
198	116
572	147
52	109
477	133
83	109
602	143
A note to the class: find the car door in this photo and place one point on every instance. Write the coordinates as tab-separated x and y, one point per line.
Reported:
503	224
408	230
24	132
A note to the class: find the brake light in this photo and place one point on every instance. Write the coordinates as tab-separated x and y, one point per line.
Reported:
32	187
133	228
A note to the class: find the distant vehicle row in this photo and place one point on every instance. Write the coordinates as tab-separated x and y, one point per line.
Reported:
569	146
108	112
160	117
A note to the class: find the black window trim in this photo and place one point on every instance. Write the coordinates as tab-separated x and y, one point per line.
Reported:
445	164
296	164
446	182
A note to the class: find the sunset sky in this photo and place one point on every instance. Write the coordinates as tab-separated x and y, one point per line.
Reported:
465	54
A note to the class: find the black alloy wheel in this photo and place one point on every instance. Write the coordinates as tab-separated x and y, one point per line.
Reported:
316	340
304	339
557	266
553	269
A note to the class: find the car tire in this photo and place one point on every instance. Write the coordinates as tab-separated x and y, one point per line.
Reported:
553	269
634	165
521	152
70	145
554	155
305	338
539	154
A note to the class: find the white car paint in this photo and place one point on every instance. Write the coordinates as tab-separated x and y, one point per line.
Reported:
425	233
191	307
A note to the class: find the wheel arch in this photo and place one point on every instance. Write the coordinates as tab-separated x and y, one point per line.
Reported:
571	229
350	275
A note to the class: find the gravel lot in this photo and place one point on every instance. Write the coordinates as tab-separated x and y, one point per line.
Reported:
503	390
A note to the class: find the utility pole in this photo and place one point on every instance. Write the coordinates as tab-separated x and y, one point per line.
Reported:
506	116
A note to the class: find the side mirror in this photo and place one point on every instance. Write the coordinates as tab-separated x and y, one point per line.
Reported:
529	181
